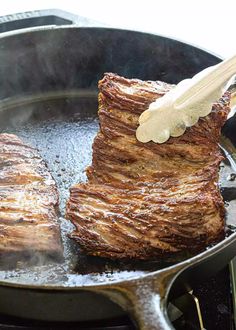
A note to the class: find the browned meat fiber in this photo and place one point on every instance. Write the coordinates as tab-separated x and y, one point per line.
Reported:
28	205
150	200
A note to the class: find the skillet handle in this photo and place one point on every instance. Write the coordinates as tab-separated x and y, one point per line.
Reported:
42	18
145	299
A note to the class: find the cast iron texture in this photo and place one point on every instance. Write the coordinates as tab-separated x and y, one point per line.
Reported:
57	65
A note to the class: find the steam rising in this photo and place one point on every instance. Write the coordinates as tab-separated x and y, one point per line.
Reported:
62	130
34	68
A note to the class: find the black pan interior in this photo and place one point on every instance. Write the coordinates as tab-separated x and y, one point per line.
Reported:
62	128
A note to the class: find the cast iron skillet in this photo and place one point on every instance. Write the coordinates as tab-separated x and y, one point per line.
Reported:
48	93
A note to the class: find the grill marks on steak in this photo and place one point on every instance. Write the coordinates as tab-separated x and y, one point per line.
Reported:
28	205
148	200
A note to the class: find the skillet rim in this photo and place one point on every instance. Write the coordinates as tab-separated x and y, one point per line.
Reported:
177	268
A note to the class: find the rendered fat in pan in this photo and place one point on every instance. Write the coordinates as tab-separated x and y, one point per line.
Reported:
48	92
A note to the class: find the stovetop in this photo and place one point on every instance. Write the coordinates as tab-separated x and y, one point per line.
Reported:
215	301
212	297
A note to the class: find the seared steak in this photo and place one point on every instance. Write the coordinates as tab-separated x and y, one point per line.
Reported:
148	200
28	205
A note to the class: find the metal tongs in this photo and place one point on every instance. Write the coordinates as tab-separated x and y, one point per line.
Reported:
186	103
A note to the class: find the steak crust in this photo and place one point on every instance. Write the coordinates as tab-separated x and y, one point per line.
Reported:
28	205
149	200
